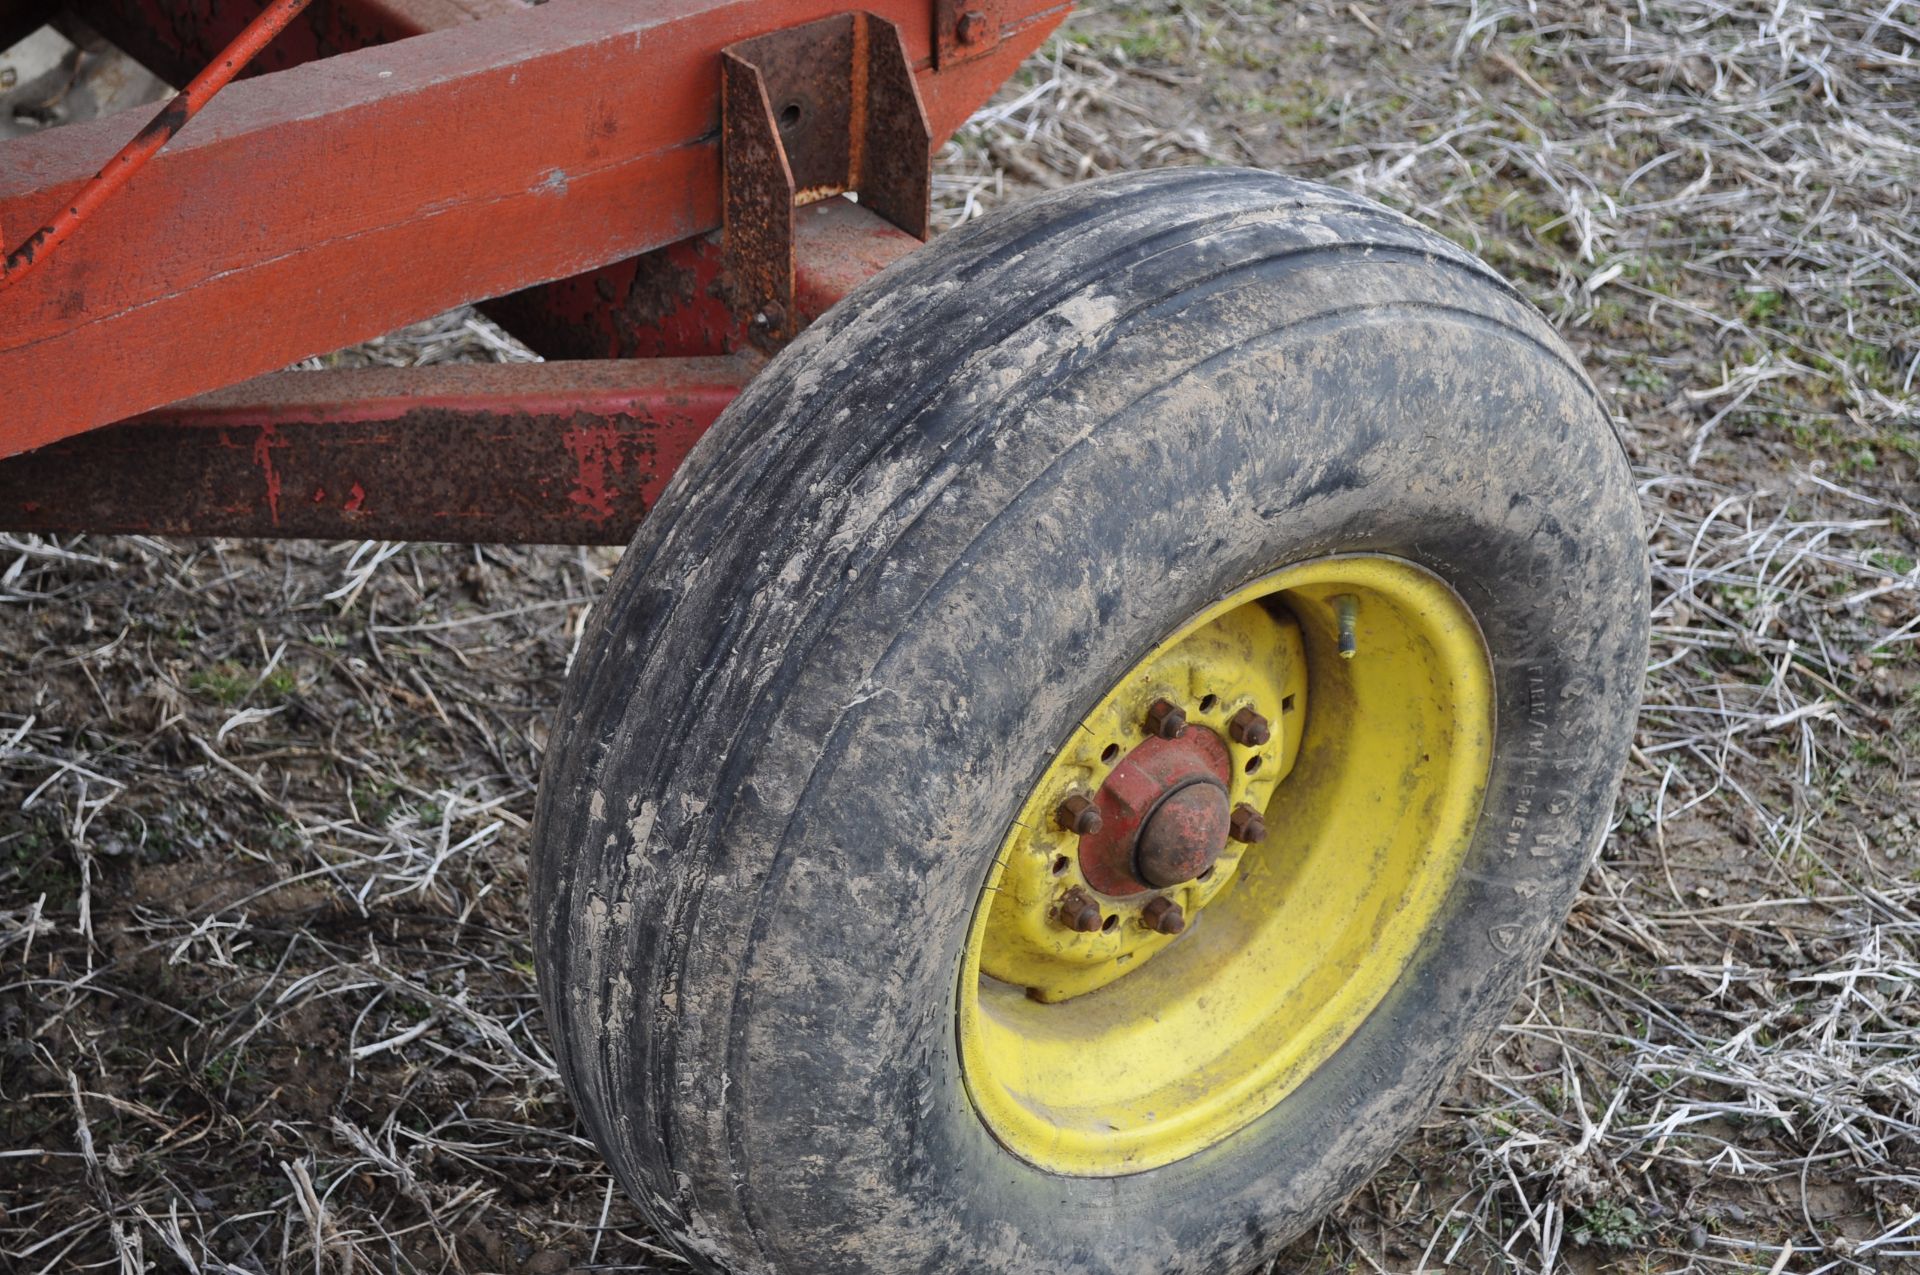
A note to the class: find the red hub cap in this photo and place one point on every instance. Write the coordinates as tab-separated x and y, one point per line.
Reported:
1163	815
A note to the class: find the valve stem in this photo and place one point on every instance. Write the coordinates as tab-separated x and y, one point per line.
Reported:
1345	607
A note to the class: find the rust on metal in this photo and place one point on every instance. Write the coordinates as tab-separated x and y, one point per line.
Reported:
1078	815
759	189
322	198
1246	825
1163	916
671	302
966	29
574	451
893	167
1248	727
1165	719
808	113
1183	836
528	453
1078	912
664	303
1187	778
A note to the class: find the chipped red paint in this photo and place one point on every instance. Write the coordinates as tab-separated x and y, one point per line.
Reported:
597	467
571	453
317	204
263	445
434	453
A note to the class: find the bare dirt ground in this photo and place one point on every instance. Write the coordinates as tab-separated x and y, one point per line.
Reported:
266	998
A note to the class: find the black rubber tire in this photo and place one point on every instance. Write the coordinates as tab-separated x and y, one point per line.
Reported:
887	584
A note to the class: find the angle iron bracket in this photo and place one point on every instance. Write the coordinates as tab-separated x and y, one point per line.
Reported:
808	113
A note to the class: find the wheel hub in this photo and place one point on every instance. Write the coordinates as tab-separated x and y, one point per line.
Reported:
1163	814
1151	808
1137	985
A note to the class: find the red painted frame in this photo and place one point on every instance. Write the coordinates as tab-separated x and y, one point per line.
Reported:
571	452
503	150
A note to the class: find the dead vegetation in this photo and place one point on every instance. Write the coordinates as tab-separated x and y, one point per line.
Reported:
265	994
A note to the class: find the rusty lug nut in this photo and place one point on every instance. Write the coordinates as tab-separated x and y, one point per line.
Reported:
1163	916
1245	824
1078	911
1249	728
1077	815
1165	719
972	28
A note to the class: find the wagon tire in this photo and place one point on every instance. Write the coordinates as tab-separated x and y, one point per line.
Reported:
901	593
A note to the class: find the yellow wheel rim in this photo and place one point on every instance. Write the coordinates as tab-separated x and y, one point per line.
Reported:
1120	1047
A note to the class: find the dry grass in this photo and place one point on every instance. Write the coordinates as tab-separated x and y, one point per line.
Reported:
265	993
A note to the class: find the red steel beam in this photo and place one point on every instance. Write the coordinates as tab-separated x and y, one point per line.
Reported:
326	204
531	453
671	303
555	453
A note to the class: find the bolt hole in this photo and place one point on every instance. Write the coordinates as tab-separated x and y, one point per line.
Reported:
1286	703
1107	926
1207	702
1110	752
1059	864
789	117
1253	764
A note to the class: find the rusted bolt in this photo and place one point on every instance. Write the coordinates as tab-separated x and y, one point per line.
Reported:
1245	824
773	316
1249	728
1078	911
1163	916
1165	719
972	28
1077	815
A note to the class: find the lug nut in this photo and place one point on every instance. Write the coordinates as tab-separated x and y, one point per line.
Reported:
1249	728
1165	719
1245	824
1077	815
1078	911
1163	916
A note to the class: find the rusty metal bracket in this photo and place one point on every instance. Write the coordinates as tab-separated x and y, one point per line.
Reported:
965	29
806	113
